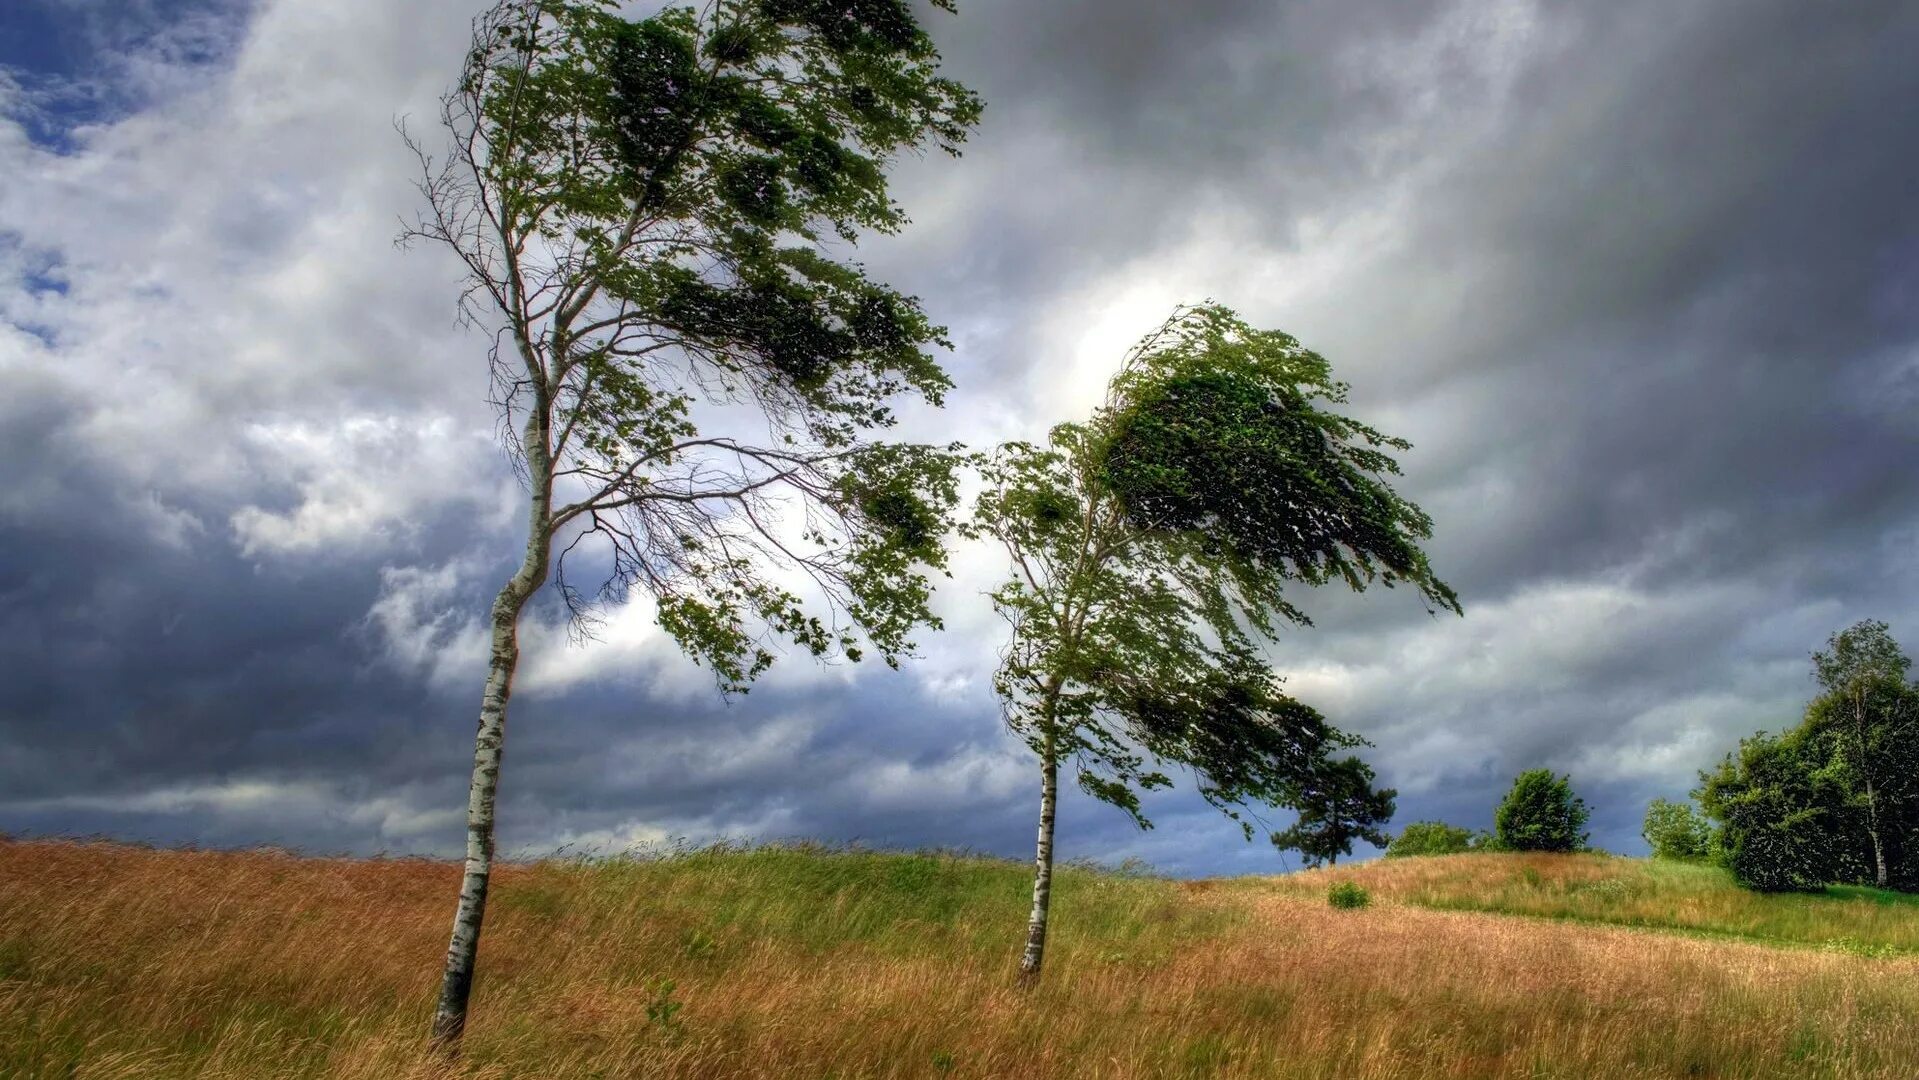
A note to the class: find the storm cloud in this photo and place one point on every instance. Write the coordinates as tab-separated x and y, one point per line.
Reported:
1641	283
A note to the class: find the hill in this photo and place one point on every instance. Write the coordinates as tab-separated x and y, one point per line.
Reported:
777	962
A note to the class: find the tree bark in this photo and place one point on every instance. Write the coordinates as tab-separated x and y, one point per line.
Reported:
1872	797
1878	846
456	982
1029	964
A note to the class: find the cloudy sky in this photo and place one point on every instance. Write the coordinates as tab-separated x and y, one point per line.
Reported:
1640	280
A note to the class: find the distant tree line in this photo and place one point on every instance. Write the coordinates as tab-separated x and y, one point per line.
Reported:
1832	801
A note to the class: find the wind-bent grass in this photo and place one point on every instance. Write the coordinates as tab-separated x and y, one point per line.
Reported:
121	962
1640	893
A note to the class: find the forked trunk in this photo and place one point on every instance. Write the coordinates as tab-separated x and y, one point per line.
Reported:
456	983
1029	964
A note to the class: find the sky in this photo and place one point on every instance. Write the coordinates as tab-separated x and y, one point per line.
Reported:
1640	281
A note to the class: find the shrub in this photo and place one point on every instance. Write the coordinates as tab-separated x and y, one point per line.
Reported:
1430	838
1541	813
1348	895
1674	830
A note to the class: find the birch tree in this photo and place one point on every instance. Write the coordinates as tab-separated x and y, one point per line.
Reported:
1152	548
1868	711
691	376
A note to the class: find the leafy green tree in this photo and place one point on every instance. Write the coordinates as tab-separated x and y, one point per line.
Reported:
1338	805
1868	710
1541	813
1433	838
1675	830
1784	822
1151	550
690	377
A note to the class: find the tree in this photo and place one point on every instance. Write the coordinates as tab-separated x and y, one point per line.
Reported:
689	380
1675	830
1151	549
1338	806
1433	838
1541	813
1867	706
1784	825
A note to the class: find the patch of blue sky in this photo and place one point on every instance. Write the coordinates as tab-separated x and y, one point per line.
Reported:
66	65
38	279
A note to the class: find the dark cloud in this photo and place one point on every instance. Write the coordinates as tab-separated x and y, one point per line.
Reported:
1638	281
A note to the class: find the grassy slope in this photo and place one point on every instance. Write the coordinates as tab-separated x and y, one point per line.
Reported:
1639	893
119	962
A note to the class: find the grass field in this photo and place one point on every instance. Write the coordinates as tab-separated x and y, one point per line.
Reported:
126	962
1642	893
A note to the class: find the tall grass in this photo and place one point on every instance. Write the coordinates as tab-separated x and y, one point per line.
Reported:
119	962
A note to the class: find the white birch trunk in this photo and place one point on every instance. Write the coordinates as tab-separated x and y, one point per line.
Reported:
1029	964
1872	797
1878	846
456	983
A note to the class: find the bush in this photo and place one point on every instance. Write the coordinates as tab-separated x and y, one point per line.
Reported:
1674	830
1348	895
1541	813
1430	838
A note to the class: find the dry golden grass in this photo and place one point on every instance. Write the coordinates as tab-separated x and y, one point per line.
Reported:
121	962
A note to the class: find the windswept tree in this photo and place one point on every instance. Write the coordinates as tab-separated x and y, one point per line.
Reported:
1152	549
1338	807
691	377
1869	714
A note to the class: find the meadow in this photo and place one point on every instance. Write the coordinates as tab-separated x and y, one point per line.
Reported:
119	961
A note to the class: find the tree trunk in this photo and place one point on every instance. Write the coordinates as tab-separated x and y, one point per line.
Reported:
1029	964
456	983
1872	797
1878	846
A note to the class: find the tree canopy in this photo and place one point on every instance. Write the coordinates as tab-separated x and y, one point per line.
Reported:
1338	807
1675	830
648	211
1541	813
1434	838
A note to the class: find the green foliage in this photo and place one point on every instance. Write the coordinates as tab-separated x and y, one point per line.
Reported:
1541	813
1136	616
1434	838
1677	831
1215	432
653	213
1348	895
1861	658
1338	805
1831	799
1777	811
661	1009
